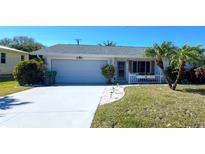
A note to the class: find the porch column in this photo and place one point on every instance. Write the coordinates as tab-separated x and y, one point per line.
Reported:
113	61
160	76
127	70
48	63
129	77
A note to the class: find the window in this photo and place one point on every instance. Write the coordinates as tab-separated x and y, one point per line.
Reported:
142	67
148	67
134	66
3	58
22	58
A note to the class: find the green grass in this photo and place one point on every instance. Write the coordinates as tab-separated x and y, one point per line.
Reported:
155	106
9	87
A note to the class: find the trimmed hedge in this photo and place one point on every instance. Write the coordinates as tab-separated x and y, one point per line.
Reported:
29	72
108	71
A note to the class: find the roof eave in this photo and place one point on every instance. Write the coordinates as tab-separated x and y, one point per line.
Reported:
3	48
86	55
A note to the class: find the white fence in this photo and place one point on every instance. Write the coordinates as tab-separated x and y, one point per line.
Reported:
135	78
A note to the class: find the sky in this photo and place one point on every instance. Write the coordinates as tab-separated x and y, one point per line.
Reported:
141	36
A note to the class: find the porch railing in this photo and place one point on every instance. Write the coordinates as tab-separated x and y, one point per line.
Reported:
135	78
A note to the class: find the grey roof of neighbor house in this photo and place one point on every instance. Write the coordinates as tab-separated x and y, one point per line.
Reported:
3	48
91	50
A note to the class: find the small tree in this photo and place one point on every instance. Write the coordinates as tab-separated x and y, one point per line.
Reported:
29	72
178	57
160	53
181	56
108	72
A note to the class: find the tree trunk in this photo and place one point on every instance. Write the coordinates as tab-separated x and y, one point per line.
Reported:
166	78
161	66
181	69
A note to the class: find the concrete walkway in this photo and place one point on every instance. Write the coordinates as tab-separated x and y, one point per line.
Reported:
59	106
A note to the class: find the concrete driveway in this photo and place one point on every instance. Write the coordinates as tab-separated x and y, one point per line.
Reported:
57	106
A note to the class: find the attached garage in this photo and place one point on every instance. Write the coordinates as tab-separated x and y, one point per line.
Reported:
78	71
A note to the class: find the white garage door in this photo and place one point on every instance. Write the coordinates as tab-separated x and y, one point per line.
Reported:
78	71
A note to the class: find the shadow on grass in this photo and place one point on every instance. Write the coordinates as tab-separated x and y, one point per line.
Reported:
8	102
194	91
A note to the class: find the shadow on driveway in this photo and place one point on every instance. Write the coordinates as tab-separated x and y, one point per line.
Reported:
8	102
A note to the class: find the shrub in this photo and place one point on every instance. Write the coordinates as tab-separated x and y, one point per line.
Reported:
108	72
194	76
29	72
200	74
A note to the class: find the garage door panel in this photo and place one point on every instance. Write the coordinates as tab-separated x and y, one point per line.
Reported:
78	71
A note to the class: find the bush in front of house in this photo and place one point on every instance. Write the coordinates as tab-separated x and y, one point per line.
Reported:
200	74
194	75
108	72
29	72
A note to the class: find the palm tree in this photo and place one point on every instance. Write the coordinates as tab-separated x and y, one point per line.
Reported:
108	43
183	55
161	53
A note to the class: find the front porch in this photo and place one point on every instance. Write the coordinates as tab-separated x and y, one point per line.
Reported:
137	71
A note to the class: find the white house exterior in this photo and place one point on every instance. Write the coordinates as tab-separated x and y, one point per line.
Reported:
83	63
9	57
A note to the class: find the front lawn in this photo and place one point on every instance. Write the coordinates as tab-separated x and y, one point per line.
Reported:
155	106
9	87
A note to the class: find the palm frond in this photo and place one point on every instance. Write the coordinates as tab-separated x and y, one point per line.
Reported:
187	54
163	51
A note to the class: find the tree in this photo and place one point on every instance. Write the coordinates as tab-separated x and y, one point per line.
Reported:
160	53
178	57
108	43
23	43
6	42
183	55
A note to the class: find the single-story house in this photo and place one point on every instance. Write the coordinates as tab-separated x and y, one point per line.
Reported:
9	57
83	63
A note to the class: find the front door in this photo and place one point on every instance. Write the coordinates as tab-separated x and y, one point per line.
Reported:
121	70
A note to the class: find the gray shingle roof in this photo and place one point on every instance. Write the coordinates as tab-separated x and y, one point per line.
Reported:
94	50
3	48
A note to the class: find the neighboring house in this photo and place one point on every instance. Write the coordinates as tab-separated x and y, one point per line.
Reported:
9	57
83	63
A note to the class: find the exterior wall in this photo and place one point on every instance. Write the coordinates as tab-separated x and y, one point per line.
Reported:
189	66
112	61
11	61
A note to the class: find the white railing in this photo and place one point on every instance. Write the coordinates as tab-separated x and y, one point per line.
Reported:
135	78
